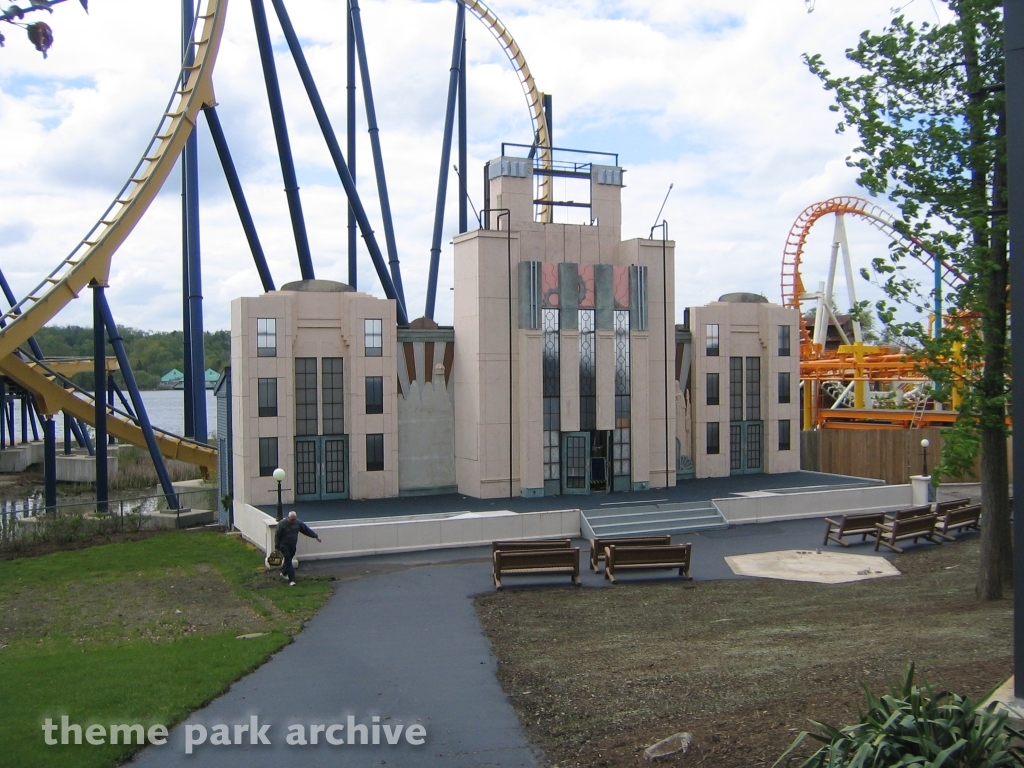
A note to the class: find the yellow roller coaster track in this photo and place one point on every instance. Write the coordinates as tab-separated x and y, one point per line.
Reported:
89	262
534	98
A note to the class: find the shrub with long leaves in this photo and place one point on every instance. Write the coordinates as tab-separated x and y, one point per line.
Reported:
914	726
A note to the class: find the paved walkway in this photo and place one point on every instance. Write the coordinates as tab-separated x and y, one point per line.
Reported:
400	639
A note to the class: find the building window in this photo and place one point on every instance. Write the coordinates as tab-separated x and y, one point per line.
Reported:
552	375
712	438
735	389
334	395
753	389
375	453
711	332
622	464
268	456
784	394
267	389
784	434
375	394
712	389
266	337
784	341
373	337
588	371
305	396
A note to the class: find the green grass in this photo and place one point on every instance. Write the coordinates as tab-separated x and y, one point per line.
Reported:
136	632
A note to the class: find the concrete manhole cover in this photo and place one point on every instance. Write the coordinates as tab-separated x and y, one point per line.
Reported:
809	565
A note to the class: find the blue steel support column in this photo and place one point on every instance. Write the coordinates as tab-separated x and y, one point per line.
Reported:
24	419
1013	25
140	407
350	137
50	462
378	158
339	162
111	440
284	149
99	348
67	434
32	415
235	185
187	22
463	147
3	410
446	154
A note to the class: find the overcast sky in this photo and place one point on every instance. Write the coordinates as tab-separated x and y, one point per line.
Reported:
710	95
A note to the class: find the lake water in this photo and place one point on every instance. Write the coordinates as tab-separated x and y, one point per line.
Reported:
164	406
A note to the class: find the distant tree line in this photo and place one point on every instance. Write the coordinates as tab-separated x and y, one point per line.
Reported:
151	353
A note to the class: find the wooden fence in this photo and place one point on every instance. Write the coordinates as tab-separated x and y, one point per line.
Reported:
891	455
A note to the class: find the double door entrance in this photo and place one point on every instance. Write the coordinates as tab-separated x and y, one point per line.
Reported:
321	468
587	464
746	443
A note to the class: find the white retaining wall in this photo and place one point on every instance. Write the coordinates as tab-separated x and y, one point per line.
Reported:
352	538
769	507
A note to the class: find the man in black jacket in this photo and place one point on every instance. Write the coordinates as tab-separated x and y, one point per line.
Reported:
287	539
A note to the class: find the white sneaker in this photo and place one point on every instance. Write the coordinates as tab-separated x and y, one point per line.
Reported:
291	583
284	576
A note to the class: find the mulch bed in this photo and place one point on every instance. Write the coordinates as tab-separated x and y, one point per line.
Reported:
597	675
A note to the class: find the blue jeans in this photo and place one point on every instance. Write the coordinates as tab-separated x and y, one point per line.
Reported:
287	568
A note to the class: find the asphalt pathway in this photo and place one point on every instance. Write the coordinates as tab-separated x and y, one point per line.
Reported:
400	640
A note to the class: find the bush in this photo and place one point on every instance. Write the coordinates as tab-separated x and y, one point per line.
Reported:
914	726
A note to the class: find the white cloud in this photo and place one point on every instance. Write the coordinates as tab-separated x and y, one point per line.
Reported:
708	94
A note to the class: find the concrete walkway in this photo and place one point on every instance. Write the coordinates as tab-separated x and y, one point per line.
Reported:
400	639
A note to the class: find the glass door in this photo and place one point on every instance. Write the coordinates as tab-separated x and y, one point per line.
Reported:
321	468
576	462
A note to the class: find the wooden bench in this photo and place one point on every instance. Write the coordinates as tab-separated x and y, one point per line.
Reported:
942	507
598	545
537	562
525	545
664	556
908	512
852	525
901	528
960	519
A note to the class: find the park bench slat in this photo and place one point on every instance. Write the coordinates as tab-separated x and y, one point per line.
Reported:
898	529
520	545
852	525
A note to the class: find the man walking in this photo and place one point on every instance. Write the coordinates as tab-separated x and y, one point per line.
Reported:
287	539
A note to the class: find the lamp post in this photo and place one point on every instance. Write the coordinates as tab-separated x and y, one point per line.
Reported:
924	457
279	475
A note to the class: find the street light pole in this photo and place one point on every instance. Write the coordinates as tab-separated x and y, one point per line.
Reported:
924	457
279	475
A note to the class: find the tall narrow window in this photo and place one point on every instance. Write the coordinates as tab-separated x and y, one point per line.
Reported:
735	389
588	372
784	434
305	396
268	456
373	337
375	453
712	446
712	389
375	394
552	374
267	393
622	465
783	341
711	333
334	395
784	389
266	337
753	389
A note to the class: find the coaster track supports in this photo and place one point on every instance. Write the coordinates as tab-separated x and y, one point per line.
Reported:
284	148
339	161
350	137
99	341
378	159
50	463
446	153
463	147
235	185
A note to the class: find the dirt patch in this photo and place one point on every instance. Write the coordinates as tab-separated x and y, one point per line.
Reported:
175	604
596	675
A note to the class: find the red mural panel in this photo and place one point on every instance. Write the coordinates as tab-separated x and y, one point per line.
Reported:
549	284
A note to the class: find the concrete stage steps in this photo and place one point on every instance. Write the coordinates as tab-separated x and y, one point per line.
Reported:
664	517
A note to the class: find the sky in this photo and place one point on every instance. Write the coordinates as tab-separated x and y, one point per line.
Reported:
710	96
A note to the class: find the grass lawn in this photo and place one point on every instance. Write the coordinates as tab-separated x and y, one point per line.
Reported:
597	675
134	632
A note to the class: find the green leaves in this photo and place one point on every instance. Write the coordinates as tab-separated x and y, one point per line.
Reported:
913	726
